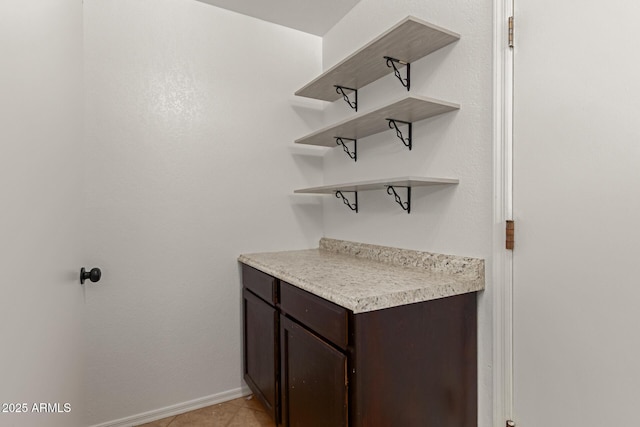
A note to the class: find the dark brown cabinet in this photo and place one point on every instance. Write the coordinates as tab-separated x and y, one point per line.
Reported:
314	379
261	329
314	363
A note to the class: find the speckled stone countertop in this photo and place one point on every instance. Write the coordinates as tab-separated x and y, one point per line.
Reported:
362	277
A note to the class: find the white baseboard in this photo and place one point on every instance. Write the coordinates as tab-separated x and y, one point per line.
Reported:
179	408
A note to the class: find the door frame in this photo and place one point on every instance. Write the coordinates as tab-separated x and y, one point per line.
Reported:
502	211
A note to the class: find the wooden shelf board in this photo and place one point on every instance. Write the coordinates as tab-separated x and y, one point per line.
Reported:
409	40
366	123
379	184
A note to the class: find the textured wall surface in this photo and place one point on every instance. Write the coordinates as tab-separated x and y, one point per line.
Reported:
189	123
452	220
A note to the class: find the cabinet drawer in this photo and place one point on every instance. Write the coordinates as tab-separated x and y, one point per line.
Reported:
327	319
259	283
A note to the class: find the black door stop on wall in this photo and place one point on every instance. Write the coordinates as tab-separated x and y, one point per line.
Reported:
94	275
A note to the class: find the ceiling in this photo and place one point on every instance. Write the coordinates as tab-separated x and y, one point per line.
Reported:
311	16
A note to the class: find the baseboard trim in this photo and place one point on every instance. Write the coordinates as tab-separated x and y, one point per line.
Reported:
179	408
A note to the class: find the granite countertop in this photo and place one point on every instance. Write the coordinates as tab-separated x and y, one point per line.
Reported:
362	277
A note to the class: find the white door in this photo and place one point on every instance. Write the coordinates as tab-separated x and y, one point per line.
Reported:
577	212
40	210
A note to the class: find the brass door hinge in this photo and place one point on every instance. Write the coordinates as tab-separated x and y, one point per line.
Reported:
510	423
511	31
510	233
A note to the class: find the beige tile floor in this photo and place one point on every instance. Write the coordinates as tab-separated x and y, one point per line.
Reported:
241	412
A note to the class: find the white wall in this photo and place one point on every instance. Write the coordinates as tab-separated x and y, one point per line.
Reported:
40	209
189	162
448	220
190	118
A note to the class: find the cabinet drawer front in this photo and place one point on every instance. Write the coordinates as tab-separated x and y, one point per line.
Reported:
259	283
327	319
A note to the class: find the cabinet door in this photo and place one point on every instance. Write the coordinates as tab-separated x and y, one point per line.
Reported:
314	379
261	350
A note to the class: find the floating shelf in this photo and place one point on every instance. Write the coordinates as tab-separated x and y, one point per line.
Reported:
409	109
408	41
390	185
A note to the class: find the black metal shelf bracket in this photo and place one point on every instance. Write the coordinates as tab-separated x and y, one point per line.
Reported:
354	206
404	205
354	154
341	91
391	63
393	124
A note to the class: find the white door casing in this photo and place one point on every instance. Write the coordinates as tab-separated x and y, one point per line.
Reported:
502	279
576	203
